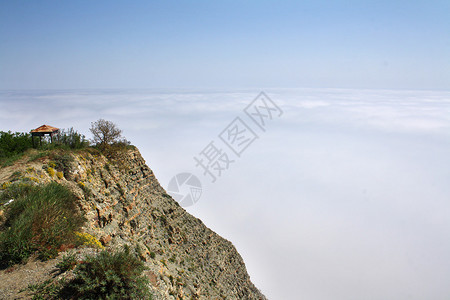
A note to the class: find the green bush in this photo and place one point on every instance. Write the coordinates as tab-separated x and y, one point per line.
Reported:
67	263
71	139
12	146
62	161
41	219
115	152
110	276
14	143
47	290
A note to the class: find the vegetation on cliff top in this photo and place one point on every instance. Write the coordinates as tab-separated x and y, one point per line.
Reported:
14	145
43	219
106	133
107	137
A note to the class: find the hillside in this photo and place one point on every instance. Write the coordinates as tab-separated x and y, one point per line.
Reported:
123	203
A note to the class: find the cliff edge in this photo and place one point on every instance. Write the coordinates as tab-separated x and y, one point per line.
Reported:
124	203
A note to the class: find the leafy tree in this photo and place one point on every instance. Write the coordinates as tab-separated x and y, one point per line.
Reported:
106	133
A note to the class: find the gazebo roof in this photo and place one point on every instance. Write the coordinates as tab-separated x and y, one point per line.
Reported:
45	129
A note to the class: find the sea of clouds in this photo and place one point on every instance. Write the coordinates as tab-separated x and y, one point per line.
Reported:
346	195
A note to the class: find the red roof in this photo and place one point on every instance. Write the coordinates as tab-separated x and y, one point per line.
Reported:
45	129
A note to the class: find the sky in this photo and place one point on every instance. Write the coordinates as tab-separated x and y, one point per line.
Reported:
345	195
224	44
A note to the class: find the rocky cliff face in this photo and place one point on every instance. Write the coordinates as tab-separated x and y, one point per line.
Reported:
125	204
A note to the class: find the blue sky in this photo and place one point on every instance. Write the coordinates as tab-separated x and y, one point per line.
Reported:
346	196
226	44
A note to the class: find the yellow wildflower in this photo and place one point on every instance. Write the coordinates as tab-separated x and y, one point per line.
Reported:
89	240
51	171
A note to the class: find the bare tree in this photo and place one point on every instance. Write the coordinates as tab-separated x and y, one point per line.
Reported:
106	133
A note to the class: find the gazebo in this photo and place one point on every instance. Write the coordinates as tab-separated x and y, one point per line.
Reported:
42	131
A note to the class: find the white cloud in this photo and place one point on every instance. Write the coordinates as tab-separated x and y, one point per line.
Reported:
344	197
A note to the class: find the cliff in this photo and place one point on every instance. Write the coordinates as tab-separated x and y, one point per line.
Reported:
124	203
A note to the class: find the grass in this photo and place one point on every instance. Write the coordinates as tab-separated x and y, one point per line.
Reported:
49	289
37	155
41	219
10	160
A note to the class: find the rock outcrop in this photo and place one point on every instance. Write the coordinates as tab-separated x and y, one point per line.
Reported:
125	204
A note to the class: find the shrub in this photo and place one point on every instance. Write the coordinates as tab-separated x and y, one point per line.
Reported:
70	138
15	176
67	263
49	289
60	175
51	171
28	179
88	240
110	276
41	219
86	190
12	144
108	139
62	162
5	185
